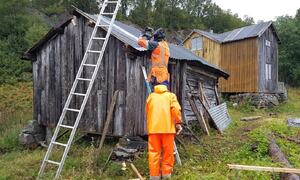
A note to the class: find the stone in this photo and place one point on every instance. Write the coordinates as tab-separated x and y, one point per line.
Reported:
295	122
32	135
28	141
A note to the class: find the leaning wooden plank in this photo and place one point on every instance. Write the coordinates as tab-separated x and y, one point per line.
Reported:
202	93
106	126
217	95
261	168
198	114
136	171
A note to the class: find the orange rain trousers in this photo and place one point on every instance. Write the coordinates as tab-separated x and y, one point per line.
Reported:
161	154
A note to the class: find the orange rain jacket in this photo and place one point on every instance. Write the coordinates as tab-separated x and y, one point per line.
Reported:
159	57
163	111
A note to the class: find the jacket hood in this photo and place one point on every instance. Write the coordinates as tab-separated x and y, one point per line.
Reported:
160	88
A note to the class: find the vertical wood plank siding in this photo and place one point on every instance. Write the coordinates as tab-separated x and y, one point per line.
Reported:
268	55
240	60
58	62
211	50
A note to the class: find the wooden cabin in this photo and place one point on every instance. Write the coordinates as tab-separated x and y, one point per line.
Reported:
249	54
56	59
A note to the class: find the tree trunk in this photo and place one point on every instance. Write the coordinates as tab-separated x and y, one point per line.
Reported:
278	156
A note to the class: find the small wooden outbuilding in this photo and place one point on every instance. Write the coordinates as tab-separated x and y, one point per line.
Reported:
56	59
249	54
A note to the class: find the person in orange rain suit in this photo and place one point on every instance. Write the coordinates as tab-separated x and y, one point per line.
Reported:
163	119
160	54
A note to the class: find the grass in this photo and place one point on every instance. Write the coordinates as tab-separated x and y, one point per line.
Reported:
242	143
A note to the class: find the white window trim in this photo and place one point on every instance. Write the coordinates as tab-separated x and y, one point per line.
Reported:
196	43
268	43
268	71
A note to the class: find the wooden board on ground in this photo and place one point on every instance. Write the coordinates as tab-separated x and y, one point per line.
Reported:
261	168
251	118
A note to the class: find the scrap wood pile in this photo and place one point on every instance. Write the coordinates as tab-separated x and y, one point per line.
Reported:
206	115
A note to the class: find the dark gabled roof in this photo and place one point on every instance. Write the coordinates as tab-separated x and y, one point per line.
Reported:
129	35
246	32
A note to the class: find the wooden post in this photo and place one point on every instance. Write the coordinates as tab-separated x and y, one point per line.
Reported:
136	171
217	95
108	120
199	116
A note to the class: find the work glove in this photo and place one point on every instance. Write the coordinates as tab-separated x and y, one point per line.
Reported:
178	129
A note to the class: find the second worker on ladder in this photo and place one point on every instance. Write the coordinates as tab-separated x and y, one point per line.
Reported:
160	54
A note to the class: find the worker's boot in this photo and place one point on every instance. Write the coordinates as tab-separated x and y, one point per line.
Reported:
166	176
154	178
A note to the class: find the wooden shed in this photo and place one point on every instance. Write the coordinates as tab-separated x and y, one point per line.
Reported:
56	59
249	54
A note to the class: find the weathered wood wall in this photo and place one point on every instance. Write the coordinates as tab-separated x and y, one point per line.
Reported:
211	50
268	55
194	75
240	59
55	69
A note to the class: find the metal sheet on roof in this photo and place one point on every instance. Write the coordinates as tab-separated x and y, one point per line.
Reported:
129	34
220	116
237	34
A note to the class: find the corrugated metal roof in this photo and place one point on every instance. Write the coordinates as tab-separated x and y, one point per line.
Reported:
129	34
246	32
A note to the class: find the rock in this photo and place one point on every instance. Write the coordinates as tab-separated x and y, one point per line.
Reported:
32	135
260	100
28	141
295	122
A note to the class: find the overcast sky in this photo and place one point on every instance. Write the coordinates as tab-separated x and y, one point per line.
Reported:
265	10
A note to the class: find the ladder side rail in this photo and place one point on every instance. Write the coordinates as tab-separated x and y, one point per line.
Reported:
88	91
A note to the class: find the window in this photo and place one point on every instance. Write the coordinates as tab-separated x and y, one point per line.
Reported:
268	43
196	43
268	71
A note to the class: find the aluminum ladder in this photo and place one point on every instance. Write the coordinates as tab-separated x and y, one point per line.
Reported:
114	6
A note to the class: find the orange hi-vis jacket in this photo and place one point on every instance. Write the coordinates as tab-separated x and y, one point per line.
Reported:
160	54
163	111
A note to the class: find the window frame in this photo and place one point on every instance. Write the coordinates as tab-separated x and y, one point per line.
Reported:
197	43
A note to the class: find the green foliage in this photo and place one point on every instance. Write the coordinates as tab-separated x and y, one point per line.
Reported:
289	54
181	14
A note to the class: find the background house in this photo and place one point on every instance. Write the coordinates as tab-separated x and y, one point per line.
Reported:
249	54
56	59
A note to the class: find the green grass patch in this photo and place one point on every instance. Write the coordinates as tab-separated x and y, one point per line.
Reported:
242	143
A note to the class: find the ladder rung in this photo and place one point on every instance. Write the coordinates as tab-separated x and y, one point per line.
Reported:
74	110
84	79
78	94
98	38
92	65
65	126
103	25
61	144
92	51
111	2
53	162
107	13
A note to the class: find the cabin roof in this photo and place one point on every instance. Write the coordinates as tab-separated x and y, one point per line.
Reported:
255	30
127	34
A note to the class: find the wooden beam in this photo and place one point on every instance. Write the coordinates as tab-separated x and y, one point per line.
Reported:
198	114
106	126
261	168
136	171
